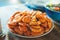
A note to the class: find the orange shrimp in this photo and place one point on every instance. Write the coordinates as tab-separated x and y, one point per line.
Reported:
35	33
17	30
49	23
15	14
22	26
12	23
45	25
57	8
38	15
47	29
37	30
36	27
26	19
18	19
33	23
28	33
12	30
10	26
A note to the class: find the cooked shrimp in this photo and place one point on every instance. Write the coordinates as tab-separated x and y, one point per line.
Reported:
37	30
10	26
18	19
34	19
37	33
13	30
23	27
38	15
56	8
49	23
15	14
42	20
26	19
17	30
36	27
33	13
38	22
12	23
47	29
45	25
28	33
32	23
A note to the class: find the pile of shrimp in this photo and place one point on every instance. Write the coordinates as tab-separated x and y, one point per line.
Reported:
29	23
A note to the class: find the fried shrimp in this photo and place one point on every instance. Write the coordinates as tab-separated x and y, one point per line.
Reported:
26	19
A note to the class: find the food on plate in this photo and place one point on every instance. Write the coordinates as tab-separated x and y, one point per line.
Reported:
29	23
55	7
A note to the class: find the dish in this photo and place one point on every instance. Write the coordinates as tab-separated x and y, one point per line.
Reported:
54	7
52	12
30	24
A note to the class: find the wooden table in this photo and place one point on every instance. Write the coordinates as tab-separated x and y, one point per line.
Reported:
53	35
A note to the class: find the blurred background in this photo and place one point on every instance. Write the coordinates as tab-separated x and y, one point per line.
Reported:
11	2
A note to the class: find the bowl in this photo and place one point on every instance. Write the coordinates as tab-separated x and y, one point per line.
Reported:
40	35
54	15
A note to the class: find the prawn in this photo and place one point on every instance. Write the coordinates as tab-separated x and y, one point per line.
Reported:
26	19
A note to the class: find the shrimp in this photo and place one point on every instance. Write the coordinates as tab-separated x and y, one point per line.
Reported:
26	19
37	30
10	26
32	23
57	8
36	27
34	19
33	13
17	30
35	33
22	26
38	15
18	19
15	14
28	33
35	23
49	23
38	22
24	29
45	25
12	30
42	20
12	23
47	29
